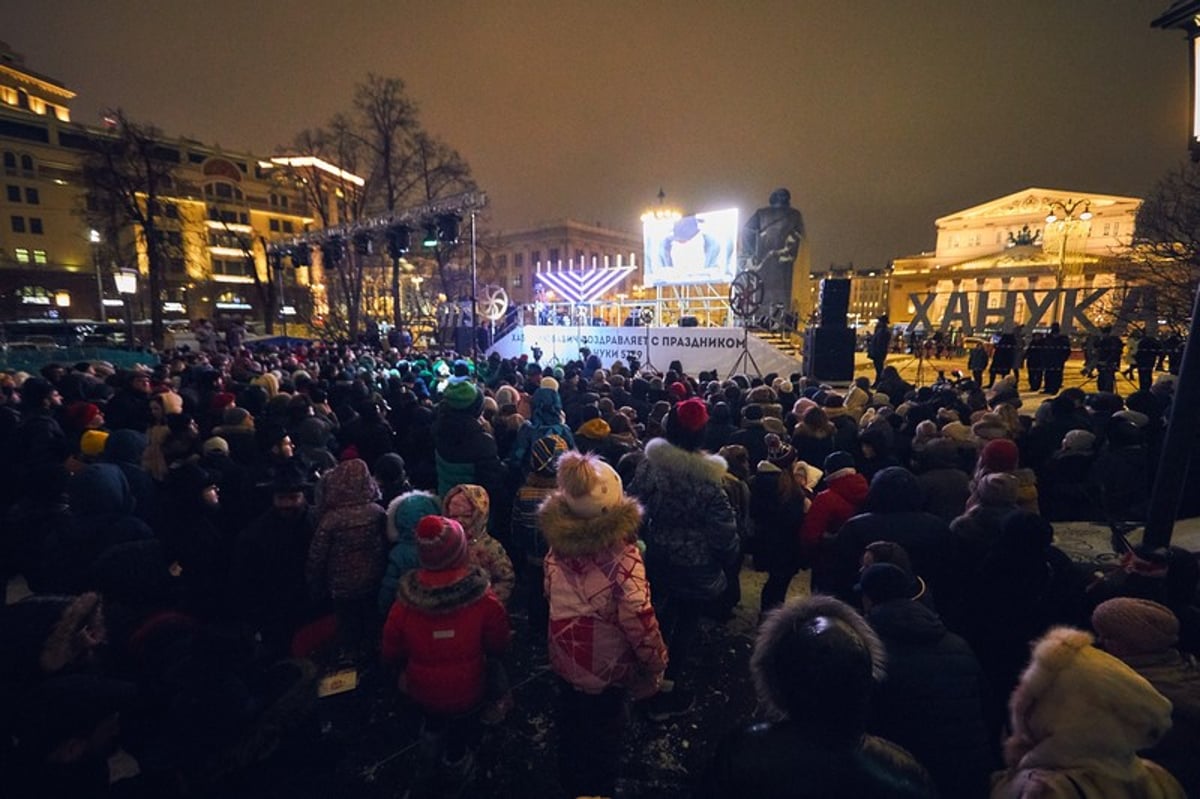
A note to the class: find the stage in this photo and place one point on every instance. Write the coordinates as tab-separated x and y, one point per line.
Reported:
698	349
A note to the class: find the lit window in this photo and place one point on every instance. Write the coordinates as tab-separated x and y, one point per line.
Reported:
517	280
39	256
22	255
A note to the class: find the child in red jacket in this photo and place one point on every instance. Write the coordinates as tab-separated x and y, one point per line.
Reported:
445	624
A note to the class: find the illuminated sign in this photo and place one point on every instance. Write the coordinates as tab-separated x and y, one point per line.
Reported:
287	310
701	248
585	286
234	306
174	307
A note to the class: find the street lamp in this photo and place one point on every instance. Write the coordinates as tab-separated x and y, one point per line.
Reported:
1064	214
126	280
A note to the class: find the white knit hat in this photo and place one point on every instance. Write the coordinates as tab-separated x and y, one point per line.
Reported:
589	486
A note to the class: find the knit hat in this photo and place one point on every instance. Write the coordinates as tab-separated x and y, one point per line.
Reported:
589	486
543	455
81	414
548	382
779	454
462	395
837	461
998	489
594	429
990	427
1000	455
957	431
1079	441
171	402
233	417
691	415
1136	626
677	391
883	582
407	510
507	395
215	446
92	442
441	544
221	400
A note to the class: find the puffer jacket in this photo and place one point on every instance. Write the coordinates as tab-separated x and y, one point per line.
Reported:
443	627
346	557
690	530
843	496
545	418
603	631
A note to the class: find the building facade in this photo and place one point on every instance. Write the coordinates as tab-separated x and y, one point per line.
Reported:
219	212
1031	258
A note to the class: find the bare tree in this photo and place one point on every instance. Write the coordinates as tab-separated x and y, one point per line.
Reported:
127	171
409	167
336	200
1165	266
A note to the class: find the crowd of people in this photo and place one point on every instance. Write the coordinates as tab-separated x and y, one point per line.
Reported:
202	539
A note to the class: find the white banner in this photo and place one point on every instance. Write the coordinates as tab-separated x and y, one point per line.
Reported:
696	348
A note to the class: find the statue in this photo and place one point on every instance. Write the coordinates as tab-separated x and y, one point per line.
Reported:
774	245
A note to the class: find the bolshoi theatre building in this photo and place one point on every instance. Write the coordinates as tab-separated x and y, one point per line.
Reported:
1032	257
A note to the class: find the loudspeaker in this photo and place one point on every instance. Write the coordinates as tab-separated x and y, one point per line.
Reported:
835	301
689	321
829	353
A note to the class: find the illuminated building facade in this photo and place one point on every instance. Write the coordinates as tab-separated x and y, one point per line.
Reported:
1031	257
218	215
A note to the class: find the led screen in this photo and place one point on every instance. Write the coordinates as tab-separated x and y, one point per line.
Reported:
701	248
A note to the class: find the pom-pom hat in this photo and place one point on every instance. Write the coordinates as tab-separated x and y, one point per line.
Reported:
1134	626
441	544
589	486
462	395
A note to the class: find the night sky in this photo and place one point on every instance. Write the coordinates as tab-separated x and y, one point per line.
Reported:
879	115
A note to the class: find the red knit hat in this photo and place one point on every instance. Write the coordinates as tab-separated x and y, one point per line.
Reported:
441	544
692	414
81	414
999	455
677	391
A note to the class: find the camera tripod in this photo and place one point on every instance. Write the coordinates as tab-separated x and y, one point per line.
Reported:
745	357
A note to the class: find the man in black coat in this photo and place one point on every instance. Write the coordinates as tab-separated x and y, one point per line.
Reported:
893	513
932	700
1056	349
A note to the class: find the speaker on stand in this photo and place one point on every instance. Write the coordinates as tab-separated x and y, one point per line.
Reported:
829	346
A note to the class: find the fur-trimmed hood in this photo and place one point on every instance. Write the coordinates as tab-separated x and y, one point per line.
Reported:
442	598
1079	707
571	536
772	679
662	454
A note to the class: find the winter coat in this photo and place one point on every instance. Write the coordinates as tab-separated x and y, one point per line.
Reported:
777	522
932	700
545	419
1065	489
979	529
893	504
831	508
346	558
777	760
403	556
603	631
102	508
485	550
268	568
465	452
690	530
443	627
946	491
1177	677
526	537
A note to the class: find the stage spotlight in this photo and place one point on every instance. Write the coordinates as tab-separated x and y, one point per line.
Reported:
331	252
447	228
363	243
399	240
431	235
300	256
